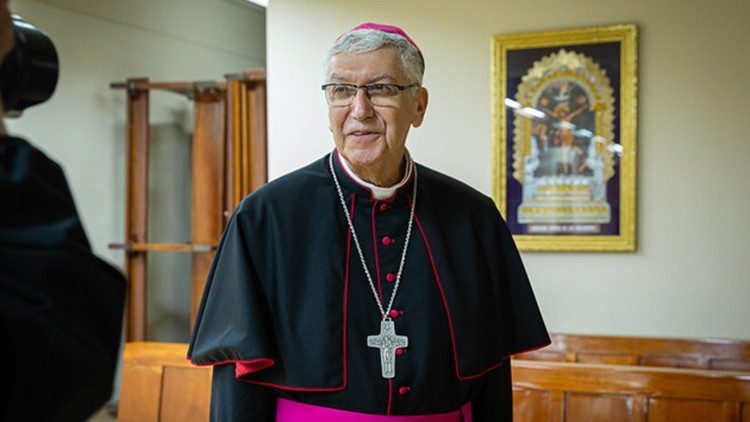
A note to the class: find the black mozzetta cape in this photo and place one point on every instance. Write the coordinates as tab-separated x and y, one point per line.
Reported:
60	306
287	307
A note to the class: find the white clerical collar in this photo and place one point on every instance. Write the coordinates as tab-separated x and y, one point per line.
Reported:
379	192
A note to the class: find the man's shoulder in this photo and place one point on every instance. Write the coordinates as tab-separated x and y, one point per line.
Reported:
443	188
294	187
310	176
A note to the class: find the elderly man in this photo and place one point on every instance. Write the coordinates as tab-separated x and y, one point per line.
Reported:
366	287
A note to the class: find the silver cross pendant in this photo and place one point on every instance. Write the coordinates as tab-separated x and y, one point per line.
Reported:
387	341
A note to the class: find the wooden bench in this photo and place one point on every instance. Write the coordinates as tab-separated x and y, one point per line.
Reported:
554	391
733	355
159	384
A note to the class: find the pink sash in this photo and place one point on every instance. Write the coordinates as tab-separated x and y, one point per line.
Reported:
292	411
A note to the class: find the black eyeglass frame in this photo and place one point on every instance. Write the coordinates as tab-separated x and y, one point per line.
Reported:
367	87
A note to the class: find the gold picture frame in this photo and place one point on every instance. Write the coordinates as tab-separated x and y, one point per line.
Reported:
564	137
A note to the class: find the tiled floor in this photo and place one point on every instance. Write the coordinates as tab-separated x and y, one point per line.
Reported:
102	416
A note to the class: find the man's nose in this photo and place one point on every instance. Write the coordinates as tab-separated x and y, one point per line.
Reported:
361	105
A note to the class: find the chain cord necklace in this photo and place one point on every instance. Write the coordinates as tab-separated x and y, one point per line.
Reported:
387	341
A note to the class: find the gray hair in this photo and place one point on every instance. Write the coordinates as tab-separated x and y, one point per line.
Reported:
365	40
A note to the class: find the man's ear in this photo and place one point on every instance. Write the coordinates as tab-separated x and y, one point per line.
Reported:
422	98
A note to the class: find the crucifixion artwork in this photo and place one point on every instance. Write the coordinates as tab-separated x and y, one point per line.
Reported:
563	153
565	138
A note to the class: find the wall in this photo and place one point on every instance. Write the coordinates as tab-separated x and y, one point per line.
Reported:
83	125
689	276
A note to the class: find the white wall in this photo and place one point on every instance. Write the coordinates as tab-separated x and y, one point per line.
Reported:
690	274
83	125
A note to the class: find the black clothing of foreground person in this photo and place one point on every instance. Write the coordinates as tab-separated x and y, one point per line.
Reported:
60	306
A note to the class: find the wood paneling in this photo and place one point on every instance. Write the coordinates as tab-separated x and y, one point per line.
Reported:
535	405
598	407
627	393
665	410
159	384
185	396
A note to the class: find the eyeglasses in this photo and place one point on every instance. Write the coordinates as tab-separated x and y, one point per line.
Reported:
342	95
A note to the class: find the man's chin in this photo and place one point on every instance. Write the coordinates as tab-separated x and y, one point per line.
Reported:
360	157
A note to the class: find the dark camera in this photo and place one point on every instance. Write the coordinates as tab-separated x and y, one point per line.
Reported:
28	75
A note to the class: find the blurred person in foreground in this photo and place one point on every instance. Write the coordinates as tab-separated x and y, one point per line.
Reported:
60	306
365	286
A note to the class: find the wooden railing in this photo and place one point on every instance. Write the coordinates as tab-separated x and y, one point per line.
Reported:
719	354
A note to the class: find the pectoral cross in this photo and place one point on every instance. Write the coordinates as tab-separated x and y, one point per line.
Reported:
387	341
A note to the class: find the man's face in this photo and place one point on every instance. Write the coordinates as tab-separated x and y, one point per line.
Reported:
6	30
373	137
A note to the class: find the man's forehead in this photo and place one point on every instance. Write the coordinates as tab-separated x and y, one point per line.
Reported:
371	66
380	77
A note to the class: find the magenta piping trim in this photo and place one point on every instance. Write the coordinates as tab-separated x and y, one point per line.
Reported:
242	368
223	362
291	388
442	294
346	292
448	312
268	384
345	322
346	307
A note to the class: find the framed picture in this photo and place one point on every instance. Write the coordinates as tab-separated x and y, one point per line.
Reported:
564	117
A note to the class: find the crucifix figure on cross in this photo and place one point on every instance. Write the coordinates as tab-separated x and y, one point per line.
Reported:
387	341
